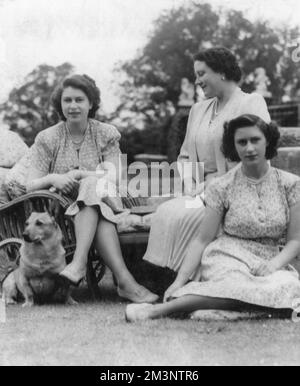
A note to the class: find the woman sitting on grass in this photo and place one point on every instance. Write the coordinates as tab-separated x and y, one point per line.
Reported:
259	209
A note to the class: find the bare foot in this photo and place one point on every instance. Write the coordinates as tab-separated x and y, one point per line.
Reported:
137	294
136	312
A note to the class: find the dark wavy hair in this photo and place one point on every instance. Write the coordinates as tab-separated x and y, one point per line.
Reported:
222	61
270	131
83	83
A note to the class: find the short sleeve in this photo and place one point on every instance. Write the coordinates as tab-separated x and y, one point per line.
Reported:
293	192
110	139
41	153
215	196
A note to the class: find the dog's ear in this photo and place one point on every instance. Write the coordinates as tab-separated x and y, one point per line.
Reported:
54	209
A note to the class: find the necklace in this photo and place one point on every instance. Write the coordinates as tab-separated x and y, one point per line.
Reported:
80	142
256	181
214	114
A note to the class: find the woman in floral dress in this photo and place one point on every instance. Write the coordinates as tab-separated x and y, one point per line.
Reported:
259	209
65	157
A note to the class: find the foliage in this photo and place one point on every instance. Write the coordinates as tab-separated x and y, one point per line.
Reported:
28	109
180	33
143	117
150	83
150	140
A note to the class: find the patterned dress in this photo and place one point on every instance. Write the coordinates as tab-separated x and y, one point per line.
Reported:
54	152
256	217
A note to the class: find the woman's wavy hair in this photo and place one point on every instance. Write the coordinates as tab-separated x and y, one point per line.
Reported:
222	61
83	83
270	131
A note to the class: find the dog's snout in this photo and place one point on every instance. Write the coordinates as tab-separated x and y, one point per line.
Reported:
26	237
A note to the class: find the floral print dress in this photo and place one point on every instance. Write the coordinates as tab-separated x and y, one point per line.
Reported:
54	152
256	217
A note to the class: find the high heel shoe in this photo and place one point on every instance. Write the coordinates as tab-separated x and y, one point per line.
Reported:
67	277
147	297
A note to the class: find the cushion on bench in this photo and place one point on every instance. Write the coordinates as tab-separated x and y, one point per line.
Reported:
12	148
16	178
3	192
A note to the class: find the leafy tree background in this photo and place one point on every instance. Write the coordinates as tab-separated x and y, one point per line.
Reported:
28	109
149	85
157	70
180	33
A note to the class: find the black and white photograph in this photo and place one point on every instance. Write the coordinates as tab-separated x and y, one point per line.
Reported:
149	185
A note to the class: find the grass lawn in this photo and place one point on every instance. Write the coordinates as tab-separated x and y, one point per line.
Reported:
95	333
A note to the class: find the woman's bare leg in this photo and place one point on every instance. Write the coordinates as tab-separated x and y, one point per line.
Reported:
87	228
108	246
86	222
188	304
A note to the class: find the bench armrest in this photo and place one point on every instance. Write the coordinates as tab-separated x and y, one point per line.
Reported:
64	202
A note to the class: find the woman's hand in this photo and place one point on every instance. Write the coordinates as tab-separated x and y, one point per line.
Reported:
173	287
64	183
75	174
265	269
200	189
188	187
209	178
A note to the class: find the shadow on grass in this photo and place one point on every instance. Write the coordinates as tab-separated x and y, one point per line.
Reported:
107	294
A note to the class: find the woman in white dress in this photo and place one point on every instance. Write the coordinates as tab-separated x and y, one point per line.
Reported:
174	226
247	263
